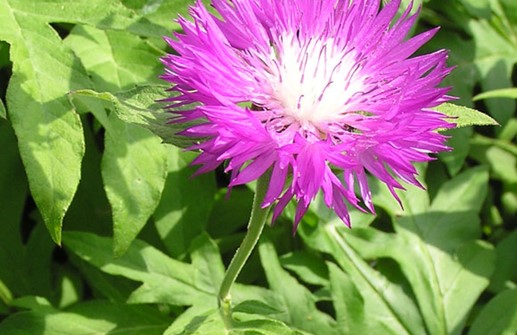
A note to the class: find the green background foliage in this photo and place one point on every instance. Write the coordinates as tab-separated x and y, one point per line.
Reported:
104	230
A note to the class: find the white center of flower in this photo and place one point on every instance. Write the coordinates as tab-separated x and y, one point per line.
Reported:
314	80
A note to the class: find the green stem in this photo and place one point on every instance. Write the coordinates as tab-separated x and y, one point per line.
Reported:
255	226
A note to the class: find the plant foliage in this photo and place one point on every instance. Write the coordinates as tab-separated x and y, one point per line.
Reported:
105	231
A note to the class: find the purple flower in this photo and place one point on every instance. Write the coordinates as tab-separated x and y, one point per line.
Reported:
320	92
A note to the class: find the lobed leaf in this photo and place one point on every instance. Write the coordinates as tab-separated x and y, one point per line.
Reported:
164	280
427	275
300	303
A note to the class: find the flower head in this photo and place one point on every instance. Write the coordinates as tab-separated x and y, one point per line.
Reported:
318	92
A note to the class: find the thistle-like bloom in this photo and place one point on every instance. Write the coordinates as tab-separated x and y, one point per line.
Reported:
318	92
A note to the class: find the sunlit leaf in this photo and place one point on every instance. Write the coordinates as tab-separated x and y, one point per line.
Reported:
49	132
463	116
164	280
95	317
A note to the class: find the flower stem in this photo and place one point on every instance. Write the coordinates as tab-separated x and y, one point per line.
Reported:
255	226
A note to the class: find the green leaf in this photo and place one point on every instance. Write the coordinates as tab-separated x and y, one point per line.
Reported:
503	164
387	306
198	321
301	309
308	266
90	208
453	268
463	116
498	317
206	258
102	284
185	204
5	294
134	167
164	280
494	62
510	93
508	12
105	14
440	261
459	141
116	59
20	270
264	327
480	8
139	106
348	302
95	317
13	192
230	213
3	112
506	264
49	132
255	307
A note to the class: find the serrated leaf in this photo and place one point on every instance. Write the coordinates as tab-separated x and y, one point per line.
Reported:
49	132
463	116
164	280
134	167
498	317
510	93
95	317
117	60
